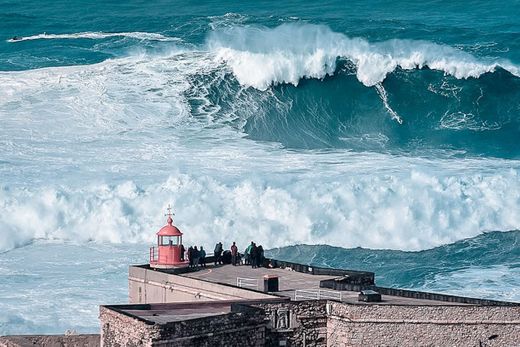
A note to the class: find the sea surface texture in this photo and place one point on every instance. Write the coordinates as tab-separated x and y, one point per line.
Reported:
384	136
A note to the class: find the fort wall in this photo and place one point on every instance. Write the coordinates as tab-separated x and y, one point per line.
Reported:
393	325
294	323
244	328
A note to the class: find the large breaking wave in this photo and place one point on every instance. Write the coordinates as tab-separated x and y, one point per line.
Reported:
140	118
261	57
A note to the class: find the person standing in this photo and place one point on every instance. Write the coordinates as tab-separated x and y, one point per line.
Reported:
218	253
254	255
260	256
196	257
234	254
247	254
182	250
190	255
202	257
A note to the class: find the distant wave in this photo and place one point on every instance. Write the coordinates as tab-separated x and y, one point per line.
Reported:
260	57
485	266
95	36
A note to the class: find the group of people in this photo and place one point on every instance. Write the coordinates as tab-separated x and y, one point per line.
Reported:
253	255
196	256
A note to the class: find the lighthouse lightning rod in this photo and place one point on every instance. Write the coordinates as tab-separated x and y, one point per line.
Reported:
170	213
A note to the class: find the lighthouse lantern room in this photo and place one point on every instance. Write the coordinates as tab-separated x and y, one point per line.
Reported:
167	253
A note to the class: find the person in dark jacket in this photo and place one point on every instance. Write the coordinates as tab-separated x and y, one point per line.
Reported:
254	255
182	250
202	257
218	253
190	255
196	256
260	256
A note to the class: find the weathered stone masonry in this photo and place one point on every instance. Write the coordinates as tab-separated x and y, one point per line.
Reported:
393	325
324	323
245	328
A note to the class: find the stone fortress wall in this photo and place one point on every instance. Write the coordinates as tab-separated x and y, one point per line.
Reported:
322	323
240	328
392	325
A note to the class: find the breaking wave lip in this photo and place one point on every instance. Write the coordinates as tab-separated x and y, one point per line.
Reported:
260	57
96	36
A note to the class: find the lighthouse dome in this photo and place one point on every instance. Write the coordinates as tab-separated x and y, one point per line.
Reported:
169	229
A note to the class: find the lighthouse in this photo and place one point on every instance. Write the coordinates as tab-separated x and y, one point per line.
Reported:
167	253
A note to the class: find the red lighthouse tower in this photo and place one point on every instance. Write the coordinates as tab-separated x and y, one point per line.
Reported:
167	253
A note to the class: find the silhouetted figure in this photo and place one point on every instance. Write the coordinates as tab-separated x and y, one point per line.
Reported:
202	257
190	255
260	256
254	256
182	252
218	253
196	257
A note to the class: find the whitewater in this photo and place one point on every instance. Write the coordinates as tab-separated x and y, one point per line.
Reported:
401	152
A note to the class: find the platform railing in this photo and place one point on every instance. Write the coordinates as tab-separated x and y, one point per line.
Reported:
317	294
153	255
247	282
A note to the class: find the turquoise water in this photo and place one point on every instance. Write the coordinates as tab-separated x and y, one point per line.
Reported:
444	47
368	131
484	266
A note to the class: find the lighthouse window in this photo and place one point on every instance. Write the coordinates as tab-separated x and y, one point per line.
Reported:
167	240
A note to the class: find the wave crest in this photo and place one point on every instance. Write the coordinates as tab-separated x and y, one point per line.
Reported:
260	57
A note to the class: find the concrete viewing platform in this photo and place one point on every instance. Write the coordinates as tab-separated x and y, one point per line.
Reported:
294	285
294	281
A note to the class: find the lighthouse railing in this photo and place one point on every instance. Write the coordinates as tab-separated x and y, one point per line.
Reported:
153	255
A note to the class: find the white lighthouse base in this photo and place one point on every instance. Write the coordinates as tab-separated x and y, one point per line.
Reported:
169	266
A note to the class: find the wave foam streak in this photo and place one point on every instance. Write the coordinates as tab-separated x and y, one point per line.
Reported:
95	36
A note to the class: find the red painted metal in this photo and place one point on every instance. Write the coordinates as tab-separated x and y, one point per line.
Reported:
168	251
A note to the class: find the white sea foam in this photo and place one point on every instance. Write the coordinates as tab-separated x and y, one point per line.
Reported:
405	210
96	152
496	281
260	57
95	35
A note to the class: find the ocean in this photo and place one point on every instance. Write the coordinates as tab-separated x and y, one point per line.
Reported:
371	135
